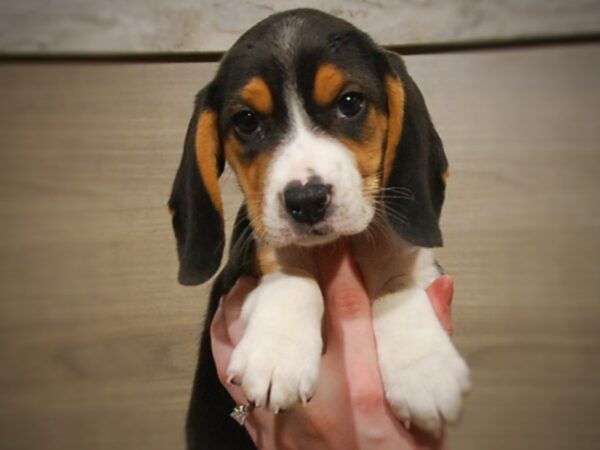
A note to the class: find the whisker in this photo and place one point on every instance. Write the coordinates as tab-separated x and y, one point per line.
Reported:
382	207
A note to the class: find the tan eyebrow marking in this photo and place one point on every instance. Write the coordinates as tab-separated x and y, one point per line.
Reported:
258	96
329	81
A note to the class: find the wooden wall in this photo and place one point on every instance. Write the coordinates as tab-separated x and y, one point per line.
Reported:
98	341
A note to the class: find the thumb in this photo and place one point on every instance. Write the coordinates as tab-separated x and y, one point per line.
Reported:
440	294
348	318
341	282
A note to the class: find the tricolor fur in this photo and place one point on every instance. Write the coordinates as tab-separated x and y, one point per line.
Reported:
328	136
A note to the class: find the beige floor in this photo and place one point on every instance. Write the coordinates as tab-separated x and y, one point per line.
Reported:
98	342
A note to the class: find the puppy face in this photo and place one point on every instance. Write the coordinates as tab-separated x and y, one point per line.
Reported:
308	152
311	115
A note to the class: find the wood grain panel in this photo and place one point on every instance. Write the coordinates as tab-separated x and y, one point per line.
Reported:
142	26
98	342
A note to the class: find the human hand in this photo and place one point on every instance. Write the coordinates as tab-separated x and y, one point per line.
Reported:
348	410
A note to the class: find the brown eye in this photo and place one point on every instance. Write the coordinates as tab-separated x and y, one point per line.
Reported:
245	122
350	104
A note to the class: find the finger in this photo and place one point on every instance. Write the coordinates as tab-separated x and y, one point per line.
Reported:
440	294
342	285
226	327
347	305
221	349
349	330
232	307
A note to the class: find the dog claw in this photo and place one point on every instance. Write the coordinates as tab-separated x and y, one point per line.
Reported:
233	379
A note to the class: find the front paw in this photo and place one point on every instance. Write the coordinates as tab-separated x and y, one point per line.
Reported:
276	370
426	389
277	360
424	377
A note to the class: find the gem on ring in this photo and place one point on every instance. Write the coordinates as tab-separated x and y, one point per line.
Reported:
239	413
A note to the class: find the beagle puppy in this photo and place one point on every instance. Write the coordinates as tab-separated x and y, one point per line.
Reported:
329	137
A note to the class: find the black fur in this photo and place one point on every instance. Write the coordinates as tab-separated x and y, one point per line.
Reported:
209	426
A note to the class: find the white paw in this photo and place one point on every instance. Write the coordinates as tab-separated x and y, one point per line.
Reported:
427	390
424	378
277	361
274	370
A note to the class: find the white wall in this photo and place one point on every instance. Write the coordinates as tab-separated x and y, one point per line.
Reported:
201	25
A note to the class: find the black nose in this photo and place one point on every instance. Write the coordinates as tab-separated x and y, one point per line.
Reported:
307	203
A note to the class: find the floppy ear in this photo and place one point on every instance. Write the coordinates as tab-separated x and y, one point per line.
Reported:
415	165
195	203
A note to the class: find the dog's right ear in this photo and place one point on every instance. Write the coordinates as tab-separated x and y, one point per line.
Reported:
195	203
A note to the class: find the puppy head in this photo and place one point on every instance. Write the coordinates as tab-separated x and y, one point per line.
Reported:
326	133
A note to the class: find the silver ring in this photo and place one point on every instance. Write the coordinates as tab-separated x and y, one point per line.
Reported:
239	413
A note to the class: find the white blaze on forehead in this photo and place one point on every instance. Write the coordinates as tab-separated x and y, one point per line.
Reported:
309	153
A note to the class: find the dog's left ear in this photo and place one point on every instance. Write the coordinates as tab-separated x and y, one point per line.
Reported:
415	165
195	202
